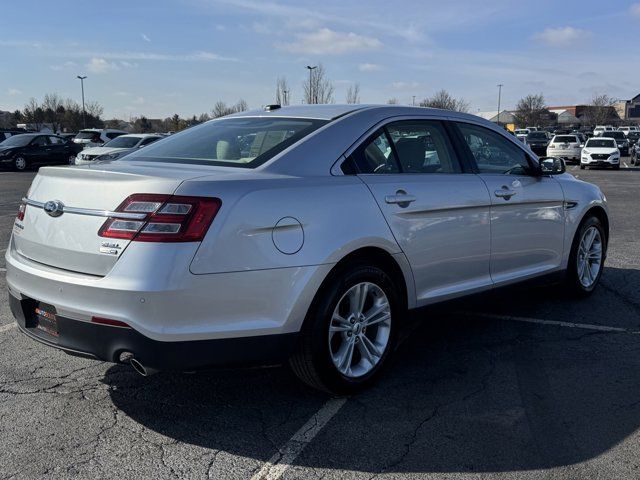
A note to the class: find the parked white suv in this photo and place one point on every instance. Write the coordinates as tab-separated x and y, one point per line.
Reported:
95	137
600	152
568	147
602	128
627	130
521	133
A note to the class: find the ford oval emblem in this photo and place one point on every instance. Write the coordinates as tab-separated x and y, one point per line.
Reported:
54	208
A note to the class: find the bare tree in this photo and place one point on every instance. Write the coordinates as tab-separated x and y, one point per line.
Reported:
53	106
446	101
221	109
94	109
531	110
240	106
318	89
283	92
353	93
602	110
392	101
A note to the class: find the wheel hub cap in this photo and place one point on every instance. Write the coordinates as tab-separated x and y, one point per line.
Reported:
359	329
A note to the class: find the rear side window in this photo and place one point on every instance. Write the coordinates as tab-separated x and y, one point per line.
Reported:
423	147
412	146
492	152
232	142
112	135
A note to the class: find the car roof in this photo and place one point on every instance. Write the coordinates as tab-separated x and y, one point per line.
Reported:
139	135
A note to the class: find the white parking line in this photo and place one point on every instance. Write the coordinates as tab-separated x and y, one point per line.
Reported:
7	327
625	165
2	269
584	326
281	460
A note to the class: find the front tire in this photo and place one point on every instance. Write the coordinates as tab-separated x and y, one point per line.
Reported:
586	261
349	332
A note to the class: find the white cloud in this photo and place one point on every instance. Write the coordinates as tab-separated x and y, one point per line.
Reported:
405	85
64	66
13	91
145	38
561	36
100	65
329	42
139	100
634	9
369	67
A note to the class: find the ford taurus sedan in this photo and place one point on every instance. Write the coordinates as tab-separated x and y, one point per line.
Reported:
301	233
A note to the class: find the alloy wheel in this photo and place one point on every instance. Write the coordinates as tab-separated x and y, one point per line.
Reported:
589	257
20	163
359	330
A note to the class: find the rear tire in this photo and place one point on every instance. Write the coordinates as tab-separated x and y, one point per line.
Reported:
582	167
336	325
616	167
19	164
590	246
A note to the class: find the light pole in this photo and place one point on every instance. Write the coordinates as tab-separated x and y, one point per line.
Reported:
312	99
500	85
413	102
84	122
285	100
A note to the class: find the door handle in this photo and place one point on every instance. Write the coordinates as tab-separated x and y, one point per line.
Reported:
505	192
401	198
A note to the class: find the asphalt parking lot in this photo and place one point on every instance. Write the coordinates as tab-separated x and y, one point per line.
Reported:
518	384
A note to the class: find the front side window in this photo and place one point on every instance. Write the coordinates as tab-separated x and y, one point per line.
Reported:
232	142
56	140
492	152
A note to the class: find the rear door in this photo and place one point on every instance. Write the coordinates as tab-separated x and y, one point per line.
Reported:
438	213
59	150
527	209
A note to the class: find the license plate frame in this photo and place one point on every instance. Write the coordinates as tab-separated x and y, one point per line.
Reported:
46	319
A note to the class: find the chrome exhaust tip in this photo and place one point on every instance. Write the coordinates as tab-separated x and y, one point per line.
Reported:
141	369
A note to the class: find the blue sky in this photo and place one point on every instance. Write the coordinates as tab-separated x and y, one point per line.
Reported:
156	58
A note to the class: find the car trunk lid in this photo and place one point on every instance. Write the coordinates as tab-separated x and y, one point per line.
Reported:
70	241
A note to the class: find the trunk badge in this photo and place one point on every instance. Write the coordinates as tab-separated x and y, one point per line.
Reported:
54	208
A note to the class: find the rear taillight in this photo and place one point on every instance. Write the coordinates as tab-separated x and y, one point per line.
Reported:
21	209
168	218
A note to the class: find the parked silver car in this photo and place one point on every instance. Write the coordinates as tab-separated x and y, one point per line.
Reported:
300	233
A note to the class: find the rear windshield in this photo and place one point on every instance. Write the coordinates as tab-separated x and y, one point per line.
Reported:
601	143
619	135
123	142
87	135
537	136
233	142
565	139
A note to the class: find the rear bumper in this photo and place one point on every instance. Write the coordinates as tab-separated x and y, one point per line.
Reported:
164	302
108	343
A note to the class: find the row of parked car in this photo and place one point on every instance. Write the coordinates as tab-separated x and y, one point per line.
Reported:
603	147
26	150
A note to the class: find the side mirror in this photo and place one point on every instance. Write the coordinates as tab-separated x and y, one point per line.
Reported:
552	165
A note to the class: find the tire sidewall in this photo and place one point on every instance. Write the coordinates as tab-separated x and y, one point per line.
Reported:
320	318
572	270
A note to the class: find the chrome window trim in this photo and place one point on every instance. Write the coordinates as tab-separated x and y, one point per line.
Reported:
89	211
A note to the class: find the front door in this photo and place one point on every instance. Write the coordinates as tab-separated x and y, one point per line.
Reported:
438	214
527	209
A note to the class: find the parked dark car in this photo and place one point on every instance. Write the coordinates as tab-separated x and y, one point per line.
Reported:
635	154
32	149
633	138
538	142
621	140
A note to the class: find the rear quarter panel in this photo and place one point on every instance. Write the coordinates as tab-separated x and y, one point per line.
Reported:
337	216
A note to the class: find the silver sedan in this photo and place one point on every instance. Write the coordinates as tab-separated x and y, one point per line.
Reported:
300	233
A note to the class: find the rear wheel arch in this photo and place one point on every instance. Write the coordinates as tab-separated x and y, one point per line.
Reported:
373	256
